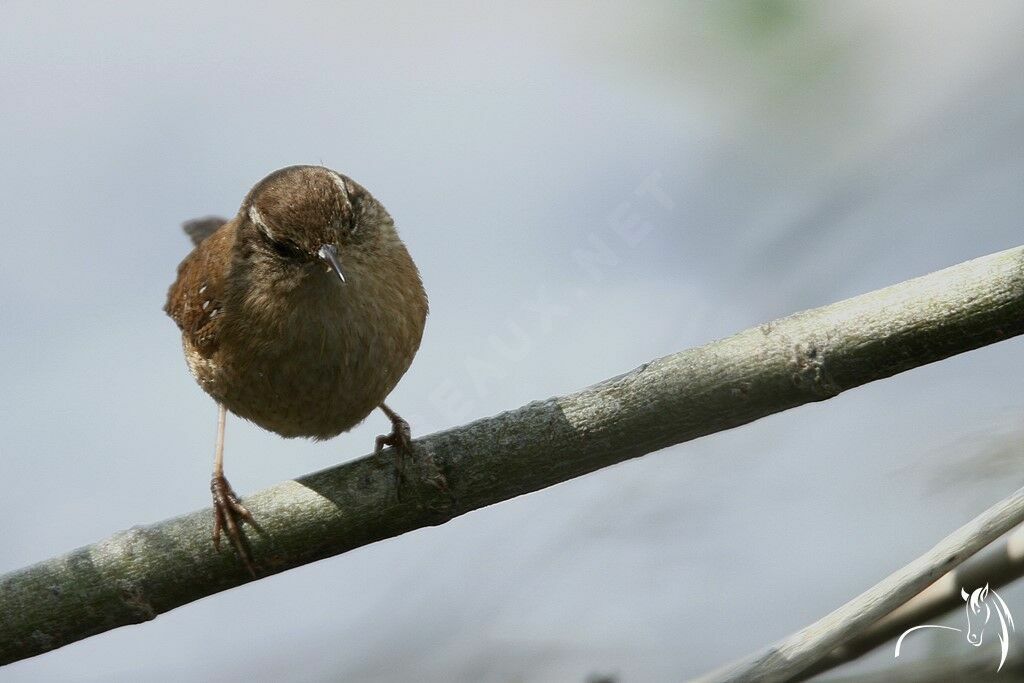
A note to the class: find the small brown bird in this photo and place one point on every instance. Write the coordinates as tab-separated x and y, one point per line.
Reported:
300	314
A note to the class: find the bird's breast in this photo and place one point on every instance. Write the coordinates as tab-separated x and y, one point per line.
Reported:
315	358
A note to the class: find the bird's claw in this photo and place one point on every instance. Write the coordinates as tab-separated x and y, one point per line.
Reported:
400	439
228	517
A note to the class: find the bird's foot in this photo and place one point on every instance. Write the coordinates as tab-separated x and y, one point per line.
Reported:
228	516
400	439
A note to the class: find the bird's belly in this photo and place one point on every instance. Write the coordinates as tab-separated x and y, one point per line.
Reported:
321	377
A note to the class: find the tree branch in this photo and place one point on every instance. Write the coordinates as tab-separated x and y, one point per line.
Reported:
794	655
999	564
978	666
145	571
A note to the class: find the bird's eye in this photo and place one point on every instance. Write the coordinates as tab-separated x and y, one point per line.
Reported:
285	250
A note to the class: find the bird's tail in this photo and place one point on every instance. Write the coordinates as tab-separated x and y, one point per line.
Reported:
200	228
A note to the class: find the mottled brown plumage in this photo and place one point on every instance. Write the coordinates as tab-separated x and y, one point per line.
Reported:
300	314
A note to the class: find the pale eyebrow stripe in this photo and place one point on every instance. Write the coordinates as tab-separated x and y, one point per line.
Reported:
341	184
343	187
256	217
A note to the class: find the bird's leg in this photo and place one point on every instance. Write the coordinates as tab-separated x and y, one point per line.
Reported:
228	512
400	439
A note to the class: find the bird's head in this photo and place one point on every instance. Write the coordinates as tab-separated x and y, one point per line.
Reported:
311	214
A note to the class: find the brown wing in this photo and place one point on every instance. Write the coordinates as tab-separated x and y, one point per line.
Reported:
196	298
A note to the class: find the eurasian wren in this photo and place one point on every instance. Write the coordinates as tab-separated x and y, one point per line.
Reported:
300	314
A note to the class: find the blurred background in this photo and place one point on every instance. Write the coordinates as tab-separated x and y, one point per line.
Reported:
804	153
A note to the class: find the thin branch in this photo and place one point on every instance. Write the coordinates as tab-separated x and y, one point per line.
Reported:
812	356
791	657
974	665
999	564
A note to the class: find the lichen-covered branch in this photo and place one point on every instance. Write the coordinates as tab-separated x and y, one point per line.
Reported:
145	571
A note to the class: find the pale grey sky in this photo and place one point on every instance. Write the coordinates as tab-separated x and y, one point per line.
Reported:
810	154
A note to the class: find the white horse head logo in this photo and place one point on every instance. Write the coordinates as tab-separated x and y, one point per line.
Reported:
981	603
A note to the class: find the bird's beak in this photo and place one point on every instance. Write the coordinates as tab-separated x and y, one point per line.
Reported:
329	253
